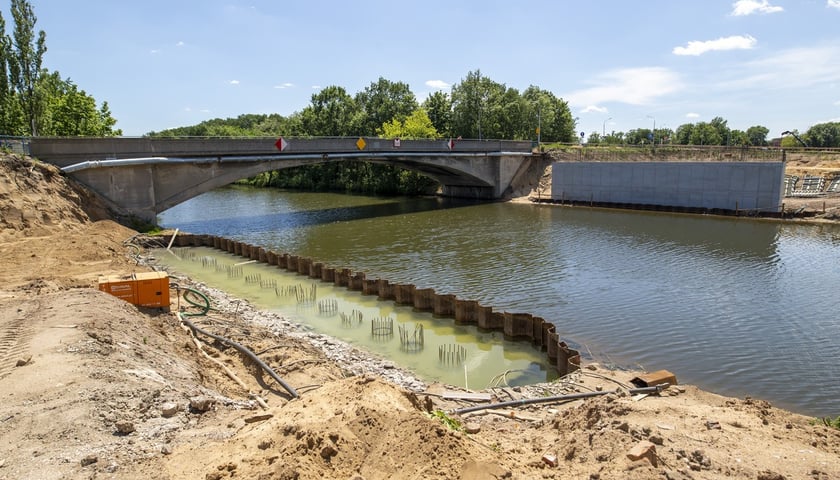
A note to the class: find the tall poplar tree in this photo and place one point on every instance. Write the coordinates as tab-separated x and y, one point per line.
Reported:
25	60
5	89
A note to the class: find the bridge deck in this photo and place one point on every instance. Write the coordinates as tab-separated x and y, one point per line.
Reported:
67	151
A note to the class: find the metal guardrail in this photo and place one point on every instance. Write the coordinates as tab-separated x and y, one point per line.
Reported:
18	145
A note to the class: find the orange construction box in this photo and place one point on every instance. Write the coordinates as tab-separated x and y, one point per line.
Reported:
145	289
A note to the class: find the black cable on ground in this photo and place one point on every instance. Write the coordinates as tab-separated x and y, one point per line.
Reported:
246	352
205	307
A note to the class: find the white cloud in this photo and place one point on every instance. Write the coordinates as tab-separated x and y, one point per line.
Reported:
793	68
635	86
594	108
837	103
735	42
316	87
154	51
437	84
833	4
234	82
692	115
748	7
179	44
285	85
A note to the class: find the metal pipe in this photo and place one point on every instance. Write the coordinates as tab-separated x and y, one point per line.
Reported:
556	398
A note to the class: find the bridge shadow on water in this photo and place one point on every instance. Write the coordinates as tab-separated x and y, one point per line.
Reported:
193	217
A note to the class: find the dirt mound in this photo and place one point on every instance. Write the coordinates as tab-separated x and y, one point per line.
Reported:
356	426
36	200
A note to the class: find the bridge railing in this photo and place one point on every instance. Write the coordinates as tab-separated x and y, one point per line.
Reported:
64	151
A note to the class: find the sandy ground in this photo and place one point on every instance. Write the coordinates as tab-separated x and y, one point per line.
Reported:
93	387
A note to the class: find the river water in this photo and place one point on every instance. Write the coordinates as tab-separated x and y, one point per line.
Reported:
736	306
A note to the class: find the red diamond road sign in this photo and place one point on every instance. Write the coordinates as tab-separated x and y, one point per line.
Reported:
281	144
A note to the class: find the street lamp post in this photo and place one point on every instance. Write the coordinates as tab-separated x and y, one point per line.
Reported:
653	134
604	128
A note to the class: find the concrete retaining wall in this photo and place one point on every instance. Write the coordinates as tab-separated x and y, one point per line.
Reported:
728	186
522	326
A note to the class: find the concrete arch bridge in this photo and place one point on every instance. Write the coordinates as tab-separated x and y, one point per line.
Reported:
145	176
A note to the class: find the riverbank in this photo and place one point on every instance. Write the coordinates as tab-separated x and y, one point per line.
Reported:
94	387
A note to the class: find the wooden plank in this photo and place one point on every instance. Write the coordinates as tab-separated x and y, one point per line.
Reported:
473	397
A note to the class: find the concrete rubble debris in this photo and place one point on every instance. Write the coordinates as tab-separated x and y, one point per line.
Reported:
202	404
643	450
125	427
472	427
550	459
169	409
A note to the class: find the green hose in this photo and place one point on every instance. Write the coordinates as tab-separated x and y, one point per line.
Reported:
189	295
204	305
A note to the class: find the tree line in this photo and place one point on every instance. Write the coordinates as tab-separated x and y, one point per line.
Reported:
477	107
35	101
717	132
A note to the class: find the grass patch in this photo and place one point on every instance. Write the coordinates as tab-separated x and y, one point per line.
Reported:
445	419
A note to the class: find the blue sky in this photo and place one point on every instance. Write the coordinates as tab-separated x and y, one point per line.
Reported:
621	65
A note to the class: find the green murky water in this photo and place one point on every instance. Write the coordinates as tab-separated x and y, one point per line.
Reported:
435	349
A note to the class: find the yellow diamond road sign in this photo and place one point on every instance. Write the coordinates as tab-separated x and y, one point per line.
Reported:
361	143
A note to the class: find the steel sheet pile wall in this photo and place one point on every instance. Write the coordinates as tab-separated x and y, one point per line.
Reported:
514	325
712	186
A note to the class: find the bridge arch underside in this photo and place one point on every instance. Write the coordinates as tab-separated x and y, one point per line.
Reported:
146	189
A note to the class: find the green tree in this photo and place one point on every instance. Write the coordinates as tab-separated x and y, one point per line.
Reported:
510	115
107	122
416	126
68	111
406	182
722	131
246	125
383	101
738	138
757	136
614	138
25	61
664	135
439	109
551	114
594	138
6	96
705	133
475	106
638	136
482	108
683	134
824	135
332	113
